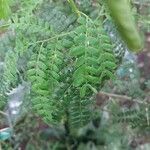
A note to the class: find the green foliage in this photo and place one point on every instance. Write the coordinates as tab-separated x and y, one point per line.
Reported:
66	57
5	9
85	5
92	49
135	118
37	75
59	54
59	20
64	60
79	111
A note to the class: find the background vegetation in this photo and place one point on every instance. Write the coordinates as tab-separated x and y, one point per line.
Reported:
69	82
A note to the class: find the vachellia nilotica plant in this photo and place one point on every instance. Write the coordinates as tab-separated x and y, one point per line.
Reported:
64	67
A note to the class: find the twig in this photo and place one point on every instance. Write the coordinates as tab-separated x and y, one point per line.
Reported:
57	36
3	113
141	4
74	7
123	97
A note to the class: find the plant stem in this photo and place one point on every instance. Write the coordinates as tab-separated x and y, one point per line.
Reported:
51	38
123	97
74	7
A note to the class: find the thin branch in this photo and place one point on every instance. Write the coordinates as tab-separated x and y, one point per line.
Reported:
3	113
57	36
123	97
141	4
74	7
